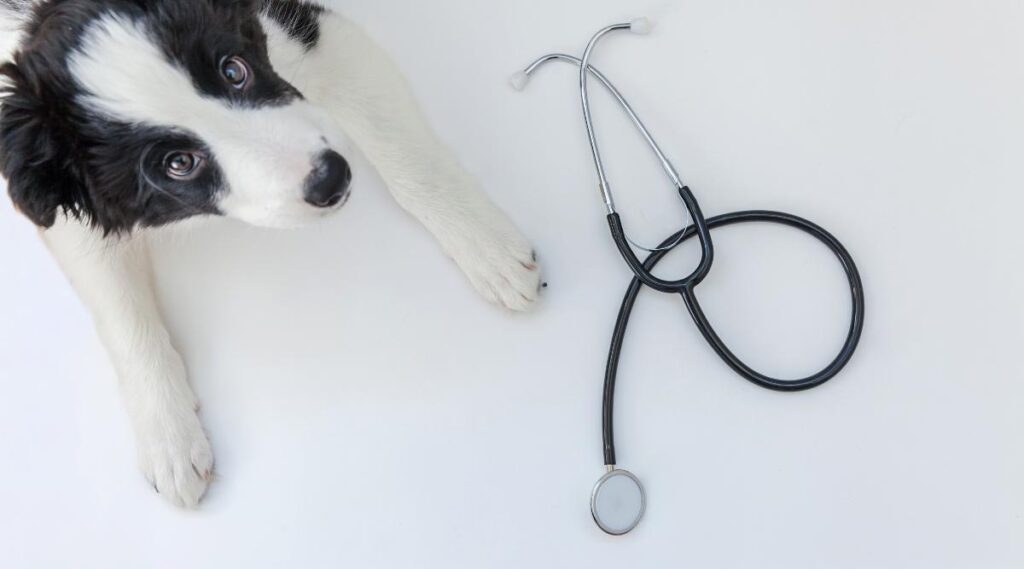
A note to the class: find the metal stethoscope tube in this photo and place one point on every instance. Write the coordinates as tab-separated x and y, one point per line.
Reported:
701	228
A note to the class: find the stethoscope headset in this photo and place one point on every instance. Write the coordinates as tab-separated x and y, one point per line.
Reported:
618	500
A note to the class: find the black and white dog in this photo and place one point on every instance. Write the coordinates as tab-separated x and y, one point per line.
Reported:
119	116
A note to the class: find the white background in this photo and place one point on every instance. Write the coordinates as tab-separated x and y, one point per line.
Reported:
368	410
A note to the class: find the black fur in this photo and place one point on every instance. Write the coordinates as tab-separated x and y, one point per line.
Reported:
60	157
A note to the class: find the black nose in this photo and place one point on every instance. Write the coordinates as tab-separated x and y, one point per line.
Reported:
328	184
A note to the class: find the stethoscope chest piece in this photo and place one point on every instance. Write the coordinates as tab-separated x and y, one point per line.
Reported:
618	502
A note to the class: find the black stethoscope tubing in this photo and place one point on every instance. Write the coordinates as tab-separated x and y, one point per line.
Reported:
686	288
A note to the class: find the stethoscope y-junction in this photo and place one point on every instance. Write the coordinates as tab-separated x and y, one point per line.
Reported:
618	500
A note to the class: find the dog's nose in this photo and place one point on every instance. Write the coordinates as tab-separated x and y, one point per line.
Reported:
328	184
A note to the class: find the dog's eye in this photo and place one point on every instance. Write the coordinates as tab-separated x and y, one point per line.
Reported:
183	165
236	72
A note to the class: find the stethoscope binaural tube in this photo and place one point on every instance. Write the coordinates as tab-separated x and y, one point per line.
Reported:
618	501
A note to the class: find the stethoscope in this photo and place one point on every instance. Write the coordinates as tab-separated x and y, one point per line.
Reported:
618	500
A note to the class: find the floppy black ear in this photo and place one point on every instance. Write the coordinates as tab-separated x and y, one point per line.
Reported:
38	150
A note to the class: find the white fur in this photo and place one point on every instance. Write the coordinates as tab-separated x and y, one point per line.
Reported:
10	33
112	277
358	84
361	91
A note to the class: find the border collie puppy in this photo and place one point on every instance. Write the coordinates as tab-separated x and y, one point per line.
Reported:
119	116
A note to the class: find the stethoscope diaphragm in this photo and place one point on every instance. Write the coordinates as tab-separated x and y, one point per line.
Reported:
618	502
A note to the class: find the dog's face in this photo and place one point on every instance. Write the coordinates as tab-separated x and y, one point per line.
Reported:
144	112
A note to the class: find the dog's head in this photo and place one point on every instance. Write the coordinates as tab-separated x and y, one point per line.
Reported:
136	113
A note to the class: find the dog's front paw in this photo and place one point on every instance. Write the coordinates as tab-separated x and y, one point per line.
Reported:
175	455
500	264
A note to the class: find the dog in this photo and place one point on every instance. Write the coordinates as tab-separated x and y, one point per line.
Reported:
118	117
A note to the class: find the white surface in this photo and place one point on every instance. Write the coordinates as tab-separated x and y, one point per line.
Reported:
367	410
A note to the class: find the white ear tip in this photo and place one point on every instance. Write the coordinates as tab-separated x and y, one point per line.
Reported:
641	26
519	81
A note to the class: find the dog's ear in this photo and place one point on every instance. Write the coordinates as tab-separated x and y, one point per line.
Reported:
38	149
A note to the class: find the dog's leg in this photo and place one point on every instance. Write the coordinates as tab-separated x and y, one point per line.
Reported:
112	277
356	81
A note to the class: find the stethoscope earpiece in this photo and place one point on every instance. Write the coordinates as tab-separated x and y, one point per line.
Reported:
640	26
